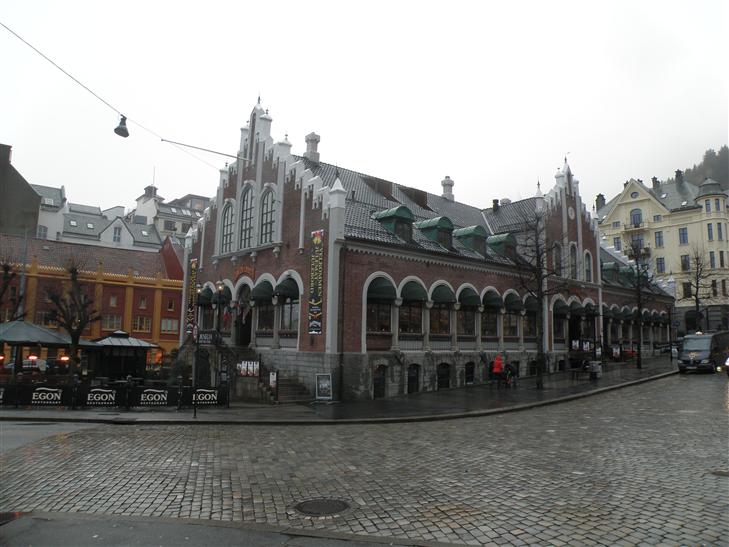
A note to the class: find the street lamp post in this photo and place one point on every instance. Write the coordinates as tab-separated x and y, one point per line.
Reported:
217	303
196	335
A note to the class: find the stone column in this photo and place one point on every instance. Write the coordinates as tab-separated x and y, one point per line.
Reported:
630	333
426	325
500	328
454	326
479	343
276	344
567	333
522	314
254	323
395	323
608	341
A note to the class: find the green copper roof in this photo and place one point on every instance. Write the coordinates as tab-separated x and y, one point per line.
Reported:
400	211
437	222
476	230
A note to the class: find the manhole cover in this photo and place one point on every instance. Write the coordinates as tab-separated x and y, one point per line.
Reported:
720	473
321	507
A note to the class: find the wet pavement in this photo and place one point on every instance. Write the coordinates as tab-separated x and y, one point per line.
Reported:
472	400
644	465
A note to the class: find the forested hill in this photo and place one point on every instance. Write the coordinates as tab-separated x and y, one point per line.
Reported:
715	165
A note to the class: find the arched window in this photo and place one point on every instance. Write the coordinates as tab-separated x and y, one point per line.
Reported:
557	259
226	241
636	217
573	261
246	219
267	220
588	267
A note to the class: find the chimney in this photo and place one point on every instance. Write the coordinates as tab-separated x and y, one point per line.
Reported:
656	183
679	176
447	184
312	141
496	205
599	202
5	154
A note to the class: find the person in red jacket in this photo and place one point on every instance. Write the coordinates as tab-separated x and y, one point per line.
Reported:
498	370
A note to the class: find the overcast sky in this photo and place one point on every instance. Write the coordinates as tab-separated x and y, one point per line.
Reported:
492	94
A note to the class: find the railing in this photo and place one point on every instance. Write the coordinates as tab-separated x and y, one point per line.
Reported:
410	341
379	341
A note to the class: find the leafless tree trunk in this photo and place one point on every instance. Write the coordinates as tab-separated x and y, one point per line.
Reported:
700	279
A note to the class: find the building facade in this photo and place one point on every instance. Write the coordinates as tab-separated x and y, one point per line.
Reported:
389	289
133	291
675	223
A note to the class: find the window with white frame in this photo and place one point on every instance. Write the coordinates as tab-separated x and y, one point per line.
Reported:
169	325
588	267
267	218
246	219
142	323
117	234
111	321
226	240
42	232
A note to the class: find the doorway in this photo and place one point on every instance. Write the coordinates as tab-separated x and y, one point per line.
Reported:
413	378
380	382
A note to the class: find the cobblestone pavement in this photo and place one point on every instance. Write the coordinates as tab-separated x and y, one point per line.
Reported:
643	465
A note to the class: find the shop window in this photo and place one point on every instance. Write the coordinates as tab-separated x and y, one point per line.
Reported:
290	315
511	324
440	318
490	322
411	317
530	324
265	316
467	321
378	316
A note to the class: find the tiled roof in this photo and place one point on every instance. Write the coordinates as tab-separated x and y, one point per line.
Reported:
84	209
181	213
58	253
138	231
97	223
511	217
48	192
368	195
674	196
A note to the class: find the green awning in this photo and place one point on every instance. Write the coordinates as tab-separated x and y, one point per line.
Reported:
412	291
204	297
287	289
577	309
560	308
512	302
381	289
262	291
443	294
492	300
531	304
590	310
606	313
468	297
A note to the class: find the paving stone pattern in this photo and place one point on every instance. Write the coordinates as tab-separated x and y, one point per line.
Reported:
628	467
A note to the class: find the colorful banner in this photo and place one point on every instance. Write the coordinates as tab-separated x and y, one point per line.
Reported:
316	282
192	292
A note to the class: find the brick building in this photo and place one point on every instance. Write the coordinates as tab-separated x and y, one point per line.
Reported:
135	291
390	289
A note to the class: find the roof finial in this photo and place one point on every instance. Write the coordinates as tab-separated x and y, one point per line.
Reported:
259	97
538	185
336	171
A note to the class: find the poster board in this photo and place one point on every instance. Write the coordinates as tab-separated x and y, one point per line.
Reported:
323	387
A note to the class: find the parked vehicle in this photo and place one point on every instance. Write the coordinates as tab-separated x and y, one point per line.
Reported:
703	351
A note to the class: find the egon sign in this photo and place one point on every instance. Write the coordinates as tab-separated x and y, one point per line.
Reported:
46	396
151	397
206	397
101	397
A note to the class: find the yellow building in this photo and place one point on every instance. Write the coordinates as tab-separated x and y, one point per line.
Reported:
672	222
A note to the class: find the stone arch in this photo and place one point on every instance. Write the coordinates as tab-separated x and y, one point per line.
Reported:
407	280
242	281
293	274
437	284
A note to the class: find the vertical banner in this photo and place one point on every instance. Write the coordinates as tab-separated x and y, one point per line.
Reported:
192	293
316	282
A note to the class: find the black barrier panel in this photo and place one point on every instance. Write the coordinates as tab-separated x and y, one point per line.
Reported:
35	395
150	397
207	397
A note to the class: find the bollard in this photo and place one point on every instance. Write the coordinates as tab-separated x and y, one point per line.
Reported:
129	391
74	391
179	392
18	381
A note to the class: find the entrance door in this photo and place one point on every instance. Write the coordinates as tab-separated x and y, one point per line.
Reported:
380	382
413	378
243	319
444	376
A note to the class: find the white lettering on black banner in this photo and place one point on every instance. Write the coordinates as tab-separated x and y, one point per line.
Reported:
152	397
46	396
101	397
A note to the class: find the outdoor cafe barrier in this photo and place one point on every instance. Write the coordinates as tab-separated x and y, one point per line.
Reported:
122	395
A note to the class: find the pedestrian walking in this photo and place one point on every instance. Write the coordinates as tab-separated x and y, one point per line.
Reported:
498	370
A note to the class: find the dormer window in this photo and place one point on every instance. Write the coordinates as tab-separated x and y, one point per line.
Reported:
73	223
398	221
438	229
473	237
48	201
89	225
173	210
145	233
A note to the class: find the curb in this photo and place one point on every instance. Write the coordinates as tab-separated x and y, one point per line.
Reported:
346	421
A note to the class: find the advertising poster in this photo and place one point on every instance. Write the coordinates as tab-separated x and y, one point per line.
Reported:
323	387
316	285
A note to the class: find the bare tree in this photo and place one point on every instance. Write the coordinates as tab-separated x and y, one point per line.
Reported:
700	279
73	310
540	275
7	300
641	280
